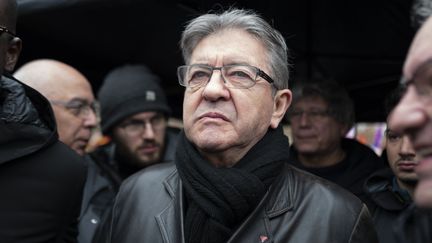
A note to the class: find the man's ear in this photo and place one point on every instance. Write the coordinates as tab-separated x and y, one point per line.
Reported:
282	101
12	53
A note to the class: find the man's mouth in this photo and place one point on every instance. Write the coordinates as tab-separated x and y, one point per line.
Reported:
213	115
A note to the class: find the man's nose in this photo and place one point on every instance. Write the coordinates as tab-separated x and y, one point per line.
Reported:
215	88
408	115
148	132
304	119
91	119
406	148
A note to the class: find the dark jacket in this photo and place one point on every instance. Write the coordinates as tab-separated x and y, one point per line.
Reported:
41	179
386	203
414	226
298	208
103	182
351	173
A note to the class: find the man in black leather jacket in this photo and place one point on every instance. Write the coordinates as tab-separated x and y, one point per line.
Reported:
230	181
41	179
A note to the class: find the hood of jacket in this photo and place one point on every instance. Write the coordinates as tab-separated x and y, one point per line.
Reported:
27	122
379	188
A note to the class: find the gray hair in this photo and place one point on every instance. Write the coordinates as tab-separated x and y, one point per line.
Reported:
199	28
340	105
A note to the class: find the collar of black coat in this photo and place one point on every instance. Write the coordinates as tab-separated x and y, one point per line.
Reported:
27	121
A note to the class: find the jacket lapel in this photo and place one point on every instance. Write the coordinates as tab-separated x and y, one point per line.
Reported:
170	220
276	202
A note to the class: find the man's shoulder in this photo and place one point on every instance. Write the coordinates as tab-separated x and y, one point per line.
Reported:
303	184
152	176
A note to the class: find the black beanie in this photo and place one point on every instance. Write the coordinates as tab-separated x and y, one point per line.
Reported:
128	90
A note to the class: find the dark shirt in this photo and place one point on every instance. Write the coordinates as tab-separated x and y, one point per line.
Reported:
351	173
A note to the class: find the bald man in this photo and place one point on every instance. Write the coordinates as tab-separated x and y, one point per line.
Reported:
70	95
41	179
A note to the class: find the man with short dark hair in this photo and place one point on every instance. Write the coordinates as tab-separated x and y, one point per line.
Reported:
321	115
390	190
41	179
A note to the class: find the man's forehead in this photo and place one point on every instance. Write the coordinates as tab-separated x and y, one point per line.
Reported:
144	115
311	101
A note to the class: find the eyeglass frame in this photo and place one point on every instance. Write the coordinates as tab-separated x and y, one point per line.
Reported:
157	123
3	29
83	109
419	87
259	73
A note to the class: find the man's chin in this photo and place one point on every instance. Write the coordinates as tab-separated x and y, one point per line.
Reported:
144	162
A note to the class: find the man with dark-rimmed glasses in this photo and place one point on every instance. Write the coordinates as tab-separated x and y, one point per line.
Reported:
230	180
321	115
41	179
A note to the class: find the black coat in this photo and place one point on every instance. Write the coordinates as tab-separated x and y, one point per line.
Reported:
41	179
385	204
414	226
350	173
298	208
103	182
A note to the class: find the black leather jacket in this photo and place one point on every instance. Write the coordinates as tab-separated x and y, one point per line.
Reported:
298	208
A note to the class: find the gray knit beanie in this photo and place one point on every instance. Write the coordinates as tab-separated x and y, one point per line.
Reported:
128	90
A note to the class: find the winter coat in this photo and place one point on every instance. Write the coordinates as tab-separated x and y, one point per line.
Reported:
41	179
414	226
385	203
298	208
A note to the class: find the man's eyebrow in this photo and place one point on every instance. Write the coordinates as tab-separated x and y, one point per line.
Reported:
77	99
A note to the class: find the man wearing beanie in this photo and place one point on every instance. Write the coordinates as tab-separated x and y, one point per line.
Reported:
134	114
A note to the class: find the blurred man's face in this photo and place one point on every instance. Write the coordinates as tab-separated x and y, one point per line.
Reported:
75	115
140	138
401	157
413	116
315	132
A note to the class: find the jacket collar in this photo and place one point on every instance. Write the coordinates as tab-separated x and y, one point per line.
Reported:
277	201
26	120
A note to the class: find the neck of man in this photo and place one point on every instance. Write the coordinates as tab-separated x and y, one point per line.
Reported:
322	160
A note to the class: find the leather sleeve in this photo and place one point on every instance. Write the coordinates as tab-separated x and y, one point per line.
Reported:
364	231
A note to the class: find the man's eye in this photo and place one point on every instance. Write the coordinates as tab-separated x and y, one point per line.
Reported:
393	137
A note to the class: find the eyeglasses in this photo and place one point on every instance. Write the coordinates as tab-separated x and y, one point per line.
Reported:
422	80
79	108
6	30
314	115
392	136
235	76
137	127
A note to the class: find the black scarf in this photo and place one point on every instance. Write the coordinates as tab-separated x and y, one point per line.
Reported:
219	199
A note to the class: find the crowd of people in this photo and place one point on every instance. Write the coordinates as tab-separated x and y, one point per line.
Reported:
230	174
